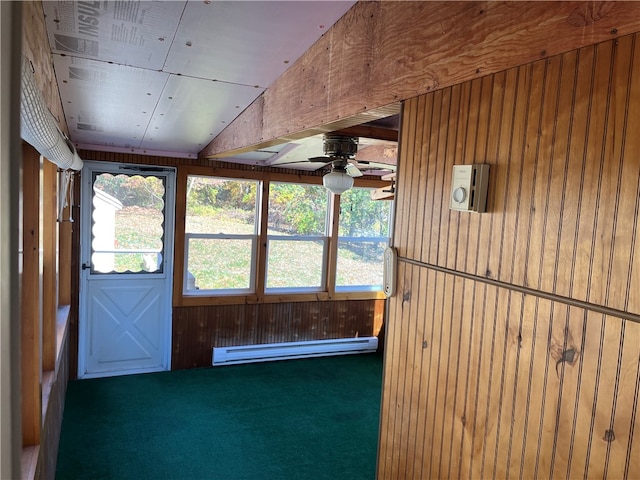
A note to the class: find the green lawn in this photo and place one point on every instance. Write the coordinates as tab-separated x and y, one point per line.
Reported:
226	263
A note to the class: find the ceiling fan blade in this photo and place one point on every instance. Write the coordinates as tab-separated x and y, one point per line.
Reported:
378	165
353	171
320	159
297	162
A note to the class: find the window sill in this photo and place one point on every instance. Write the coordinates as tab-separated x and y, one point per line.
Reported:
194	301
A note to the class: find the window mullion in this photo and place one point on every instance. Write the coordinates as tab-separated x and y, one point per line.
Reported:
261	258
331	264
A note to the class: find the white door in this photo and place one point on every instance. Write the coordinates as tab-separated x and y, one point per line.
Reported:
127	254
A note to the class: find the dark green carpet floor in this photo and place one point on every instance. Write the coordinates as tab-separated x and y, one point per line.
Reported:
299	419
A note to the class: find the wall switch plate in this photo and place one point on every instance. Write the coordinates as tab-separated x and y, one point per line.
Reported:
469	188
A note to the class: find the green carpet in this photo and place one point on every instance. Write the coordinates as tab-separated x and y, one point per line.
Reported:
298	419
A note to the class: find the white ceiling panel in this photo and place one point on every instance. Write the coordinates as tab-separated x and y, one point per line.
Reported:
107	104
166	77
250	43
191	112
129	33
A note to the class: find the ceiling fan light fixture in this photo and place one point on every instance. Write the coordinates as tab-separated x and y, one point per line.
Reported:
337	182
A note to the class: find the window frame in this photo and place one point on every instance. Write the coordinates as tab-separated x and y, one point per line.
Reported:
221	291
252	237
261	295
323	237
363	287
384	239
298	238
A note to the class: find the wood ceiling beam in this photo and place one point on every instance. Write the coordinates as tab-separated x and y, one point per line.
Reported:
381	53
379	133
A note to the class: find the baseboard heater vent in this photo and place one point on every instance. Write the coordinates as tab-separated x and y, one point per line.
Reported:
290	350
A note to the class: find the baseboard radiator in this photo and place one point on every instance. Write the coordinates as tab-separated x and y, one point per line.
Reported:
290	350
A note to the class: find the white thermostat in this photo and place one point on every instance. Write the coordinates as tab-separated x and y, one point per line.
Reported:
469	188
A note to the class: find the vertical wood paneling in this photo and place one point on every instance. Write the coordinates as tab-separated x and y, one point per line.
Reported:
632	150
491	144
511	385
598	59
479	150
527	184
417	400
467	151
408	366
573	192
196	330
502	185
405	174
544	167
627	186
417	168
486	380
607	180
429	155
392	378
433	197
453	218
558	135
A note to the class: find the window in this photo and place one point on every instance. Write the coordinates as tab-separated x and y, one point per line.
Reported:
127	232
221	235
363	234
266	237
297	238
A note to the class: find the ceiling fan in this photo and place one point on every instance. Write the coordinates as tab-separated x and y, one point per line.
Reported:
340	152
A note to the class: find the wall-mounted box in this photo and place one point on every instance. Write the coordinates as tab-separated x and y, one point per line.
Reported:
469	188
389	271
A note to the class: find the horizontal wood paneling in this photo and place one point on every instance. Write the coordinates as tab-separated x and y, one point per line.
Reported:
196	330
508	353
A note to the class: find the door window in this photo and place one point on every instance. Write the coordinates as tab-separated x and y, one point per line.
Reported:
127	223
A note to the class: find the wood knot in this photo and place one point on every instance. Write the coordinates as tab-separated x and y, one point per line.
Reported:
425	344
609	436
407	296
567	356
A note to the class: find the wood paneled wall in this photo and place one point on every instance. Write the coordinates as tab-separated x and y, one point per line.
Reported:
513	343
197	329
